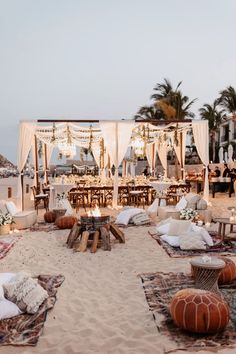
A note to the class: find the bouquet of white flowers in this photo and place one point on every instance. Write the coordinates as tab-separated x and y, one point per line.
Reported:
5	218
188	214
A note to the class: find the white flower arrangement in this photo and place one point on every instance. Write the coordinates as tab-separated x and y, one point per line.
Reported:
188	214
5	218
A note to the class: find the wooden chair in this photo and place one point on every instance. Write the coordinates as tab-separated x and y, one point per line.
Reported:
79	196
40	197
136	196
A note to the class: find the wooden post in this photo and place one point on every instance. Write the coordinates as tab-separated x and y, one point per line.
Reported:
181	155
22	190
153	159
36	168
109	166
46	163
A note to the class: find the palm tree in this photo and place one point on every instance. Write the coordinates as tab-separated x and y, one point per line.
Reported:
215	118
148	113
228	100
174	98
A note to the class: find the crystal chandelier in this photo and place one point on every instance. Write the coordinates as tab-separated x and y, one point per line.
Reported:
138	145
67	148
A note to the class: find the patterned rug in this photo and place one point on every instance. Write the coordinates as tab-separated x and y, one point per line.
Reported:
25	329
6	244
159	289
42	226
227	248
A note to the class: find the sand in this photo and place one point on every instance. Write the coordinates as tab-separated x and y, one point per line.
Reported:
101	306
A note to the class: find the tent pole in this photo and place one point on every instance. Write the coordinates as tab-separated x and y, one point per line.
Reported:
181	155
22	190
46	163
36	162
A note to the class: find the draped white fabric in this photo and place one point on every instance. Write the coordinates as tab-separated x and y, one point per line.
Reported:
96	154
177	147
151	156
116	137
26	134
162	152
201	138
49	151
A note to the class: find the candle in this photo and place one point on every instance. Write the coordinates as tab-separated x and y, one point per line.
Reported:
231	218
200	222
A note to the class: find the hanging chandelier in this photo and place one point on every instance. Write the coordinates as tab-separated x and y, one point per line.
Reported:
67	148
138	144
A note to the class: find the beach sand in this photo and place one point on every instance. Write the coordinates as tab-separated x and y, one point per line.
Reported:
101	306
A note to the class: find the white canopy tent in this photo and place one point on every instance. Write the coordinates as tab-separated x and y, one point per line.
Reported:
112	137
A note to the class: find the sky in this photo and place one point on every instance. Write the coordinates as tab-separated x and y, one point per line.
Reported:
101	59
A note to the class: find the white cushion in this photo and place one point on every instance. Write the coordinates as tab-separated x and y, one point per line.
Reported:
25	292
125	215
163	229
8	309
201	204
140	219
11	208
171	240
192	200
191	241
4	278
182	203
204	233
179	227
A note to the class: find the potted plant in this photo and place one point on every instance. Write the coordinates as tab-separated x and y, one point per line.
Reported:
6	220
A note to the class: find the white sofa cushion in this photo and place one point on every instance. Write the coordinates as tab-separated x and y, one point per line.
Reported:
192	200
171	240
191	241
125	215
179	227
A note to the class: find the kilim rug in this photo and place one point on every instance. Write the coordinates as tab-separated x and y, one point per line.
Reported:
25	329
159	289
6	244
227	248
42	226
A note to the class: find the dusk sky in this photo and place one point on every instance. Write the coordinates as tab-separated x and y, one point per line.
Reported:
83	59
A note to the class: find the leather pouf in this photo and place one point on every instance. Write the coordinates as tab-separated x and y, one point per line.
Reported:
199	311
49	216
228	274
66	222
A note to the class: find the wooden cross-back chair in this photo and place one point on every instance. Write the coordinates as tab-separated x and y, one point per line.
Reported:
40	198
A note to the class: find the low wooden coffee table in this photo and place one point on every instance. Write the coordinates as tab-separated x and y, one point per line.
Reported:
206	272
222	226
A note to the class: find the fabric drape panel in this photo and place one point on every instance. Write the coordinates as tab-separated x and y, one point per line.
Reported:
116	137
201	138
177	147
96	154
162	152
49	155
151	156
26	135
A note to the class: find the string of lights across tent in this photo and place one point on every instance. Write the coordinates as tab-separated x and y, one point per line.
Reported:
66	136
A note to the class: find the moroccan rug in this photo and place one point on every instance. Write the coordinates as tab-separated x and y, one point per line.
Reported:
6	244
159	289
42	226
25	329
227	248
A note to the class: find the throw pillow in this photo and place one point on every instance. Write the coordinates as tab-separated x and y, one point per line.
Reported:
25	292
12	209
179	227
171	240
192	200
4	278
125	215
163	229
8	309
201	204
182	203
140	219
191	241
204	233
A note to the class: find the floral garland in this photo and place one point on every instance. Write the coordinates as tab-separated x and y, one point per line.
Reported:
5	218
189	214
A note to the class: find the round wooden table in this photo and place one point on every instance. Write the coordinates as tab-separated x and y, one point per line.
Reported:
206	271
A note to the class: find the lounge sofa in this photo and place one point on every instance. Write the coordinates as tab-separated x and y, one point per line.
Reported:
194	201
22	219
